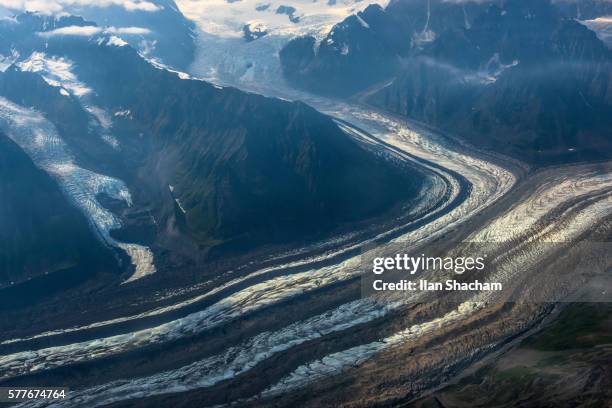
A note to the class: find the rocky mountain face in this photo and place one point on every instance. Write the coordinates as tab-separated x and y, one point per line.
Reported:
361	48
517	76
241	167
369	46
207	167
167	36
526	32
595	14
522	80
41	232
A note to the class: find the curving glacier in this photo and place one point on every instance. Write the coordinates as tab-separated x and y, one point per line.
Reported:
39	139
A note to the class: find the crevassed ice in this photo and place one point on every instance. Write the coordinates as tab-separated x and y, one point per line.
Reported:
564	229
249	299
491	180
236	359
39	139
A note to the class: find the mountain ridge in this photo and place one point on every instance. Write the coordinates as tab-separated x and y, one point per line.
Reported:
519	77
206	166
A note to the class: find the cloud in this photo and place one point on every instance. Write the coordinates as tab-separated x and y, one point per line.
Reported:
72	31
128	30
57	6
88	31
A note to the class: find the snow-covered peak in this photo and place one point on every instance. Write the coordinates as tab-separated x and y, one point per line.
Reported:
116	41
602	27
280	17
56	71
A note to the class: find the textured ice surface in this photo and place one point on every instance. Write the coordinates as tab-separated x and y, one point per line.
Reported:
220	25
245	301
525	255
237	359
433	192
336	362
226	19
39	139
251	298
490	181
241	358
526	214
228	60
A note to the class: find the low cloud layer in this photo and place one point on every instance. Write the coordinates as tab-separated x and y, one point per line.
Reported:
88	31
58	6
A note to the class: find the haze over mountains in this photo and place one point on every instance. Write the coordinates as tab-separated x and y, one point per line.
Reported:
518	76
156	28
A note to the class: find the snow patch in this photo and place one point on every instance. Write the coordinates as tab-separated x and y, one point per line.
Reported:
116	41
176	200
122	114
362	21
55	71
58	72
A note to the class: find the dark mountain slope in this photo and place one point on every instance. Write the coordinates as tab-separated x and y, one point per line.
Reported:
529	32
243	167
526	81
360	49
368	47
219	165
517	76
40	232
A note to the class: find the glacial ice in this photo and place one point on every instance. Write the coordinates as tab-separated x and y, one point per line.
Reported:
39	139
